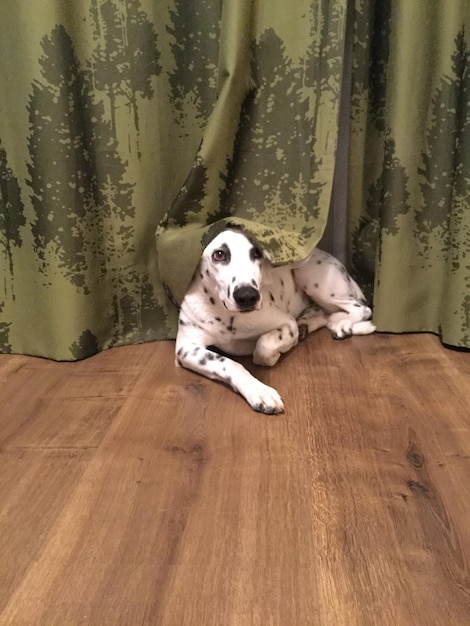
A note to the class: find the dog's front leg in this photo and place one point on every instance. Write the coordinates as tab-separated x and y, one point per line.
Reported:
259	396
272	344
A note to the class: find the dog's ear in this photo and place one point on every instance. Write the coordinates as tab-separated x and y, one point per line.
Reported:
266	271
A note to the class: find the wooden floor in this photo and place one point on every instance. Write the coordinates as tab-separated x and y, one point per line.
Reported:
135	493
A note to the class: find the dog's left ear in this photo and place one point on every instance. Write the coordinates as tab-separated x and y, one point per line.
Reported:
266	273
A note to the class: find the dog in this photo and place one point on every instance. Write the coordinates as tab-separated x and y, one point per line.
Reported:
239	304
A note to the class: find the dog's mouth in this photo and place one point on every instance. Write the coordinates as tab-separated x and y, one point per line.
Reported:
235	308
247	310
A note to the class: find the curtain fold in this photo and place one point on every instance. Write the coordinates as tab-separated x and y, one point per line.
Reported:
409	172
118	116
266	160
120	119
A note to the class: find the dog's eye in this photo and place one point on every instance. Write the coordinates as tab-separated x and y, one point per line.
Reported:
218	256
256	253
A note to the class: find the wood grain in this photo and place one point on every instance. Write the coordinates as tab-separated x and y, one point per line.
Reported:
132	492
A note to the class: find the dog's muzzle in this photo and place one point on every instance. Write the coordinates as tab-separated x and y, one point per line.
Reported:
246	297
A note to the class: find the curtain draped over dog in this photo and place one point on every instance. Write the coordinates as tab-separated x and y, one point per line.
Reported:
122	118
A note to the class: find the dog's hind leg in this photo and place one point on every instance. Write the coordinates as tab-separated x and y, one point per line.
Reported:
311	320
326	281
352	320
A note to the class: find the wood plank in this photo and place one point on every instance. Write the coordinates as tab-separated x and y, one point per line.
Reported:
351	508
34	488
43	399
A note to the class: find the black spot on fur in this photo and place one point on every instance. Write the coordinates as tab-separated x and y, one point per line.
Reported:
218	319
255	253
319	262
316	285
202	362
271	297
212	301
231	327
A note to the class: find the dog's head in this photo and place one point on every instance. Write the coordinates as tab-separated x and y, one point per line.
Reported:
232	265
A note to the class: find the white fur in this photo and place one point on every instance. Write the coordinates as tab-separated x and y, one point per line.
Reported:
239	303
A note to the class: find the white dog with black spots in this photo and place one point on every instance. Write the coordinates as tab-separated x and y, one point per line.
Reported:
239	304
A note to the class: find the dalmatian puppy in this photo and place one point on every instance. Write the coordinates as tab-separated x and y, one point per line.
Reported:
239	304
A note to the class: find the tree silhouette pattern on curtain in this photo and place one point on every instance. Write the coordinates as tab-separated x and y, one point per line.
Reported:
410	167
114	129
81	220
267	163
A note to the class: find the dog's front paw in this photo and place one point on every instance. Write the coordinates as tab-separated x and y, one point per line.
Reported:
266	357
271	345
264	399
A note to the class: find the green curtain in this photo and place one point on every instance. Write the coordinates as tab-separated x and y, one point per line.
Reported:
119	115
267	156
409	173
120	119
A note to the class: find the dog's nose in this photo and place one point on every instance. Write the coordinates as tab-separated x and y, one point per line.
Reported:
246	297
